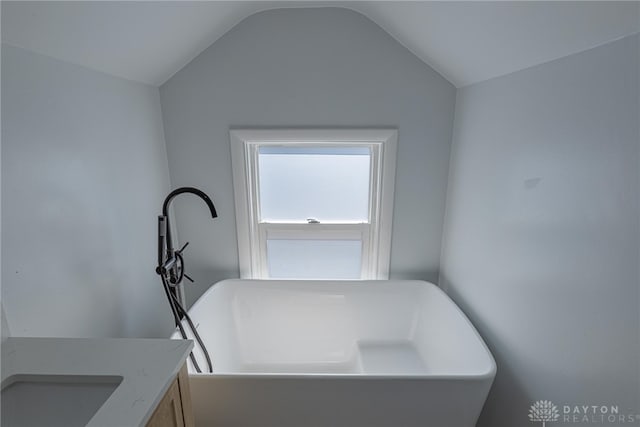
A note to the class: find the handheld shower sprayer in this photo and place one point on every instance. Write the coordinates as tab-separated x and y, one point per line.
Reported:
171	268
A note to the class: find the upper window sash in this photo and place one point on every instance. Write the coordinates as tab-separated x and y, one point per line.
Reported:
332	182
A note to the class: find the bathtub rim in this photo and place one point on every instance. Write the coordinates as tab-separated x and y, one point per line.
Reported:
482	375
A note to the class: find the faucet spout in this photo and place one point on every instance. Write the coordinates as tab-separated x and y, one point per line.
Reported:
199	193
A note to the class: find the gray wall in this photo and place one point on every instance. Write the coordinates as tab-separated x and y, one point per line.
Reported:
542	229
6	332
84	173
317	68
4	325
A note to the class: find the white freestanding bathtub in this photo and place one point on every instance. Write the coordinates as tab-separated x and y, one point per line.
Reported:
337	354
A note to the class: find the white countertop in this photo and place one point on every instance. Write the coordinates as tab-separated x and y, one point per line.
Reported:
147	366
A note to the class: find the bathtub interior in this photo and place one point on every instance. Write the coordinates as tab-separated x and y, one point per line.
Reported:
372	328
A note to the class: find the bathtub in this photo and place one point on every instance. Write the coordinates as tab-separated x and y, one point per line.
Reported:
337	354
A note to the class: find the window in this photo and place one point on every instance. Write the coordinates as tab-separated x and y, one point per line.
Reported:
314	204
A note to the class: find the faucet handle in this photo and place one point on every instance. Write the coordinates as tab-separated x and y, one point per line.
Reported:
182	248
179	252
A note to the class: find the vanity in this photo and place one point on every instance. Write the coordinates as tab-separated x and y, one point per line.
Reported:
120	382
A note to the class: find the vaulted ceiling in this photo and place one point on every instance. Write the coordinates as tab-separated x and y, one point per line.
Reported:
466	42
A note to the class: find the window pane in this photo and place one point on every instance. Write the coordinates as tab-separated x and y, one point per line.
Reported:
314	259
326	183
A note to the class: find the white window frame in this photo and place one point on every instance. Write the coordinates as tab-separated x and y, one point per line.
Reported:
252	234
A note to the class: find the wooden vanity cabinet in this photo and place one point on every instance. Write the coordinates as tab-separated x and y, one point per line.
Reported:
174	410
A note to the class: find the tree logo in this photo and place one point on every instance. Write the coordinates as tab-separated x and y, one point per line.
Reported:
543	410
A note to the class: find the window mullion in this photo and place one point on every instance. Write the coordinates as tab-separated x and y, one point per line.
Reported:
313	231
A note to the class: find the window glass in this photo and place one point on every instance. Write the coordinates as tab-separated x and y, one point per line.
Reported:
325	183
314	259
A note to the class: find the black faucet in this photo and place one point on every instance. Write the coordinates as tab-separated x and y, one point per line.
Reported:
171	269
167	257
169	199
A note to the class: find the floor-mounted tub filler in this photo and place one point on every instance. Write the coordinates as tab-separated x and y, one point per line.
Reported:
337	354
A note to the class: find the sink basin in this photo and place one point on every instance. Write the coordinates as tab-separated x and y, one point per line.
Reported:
54	400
